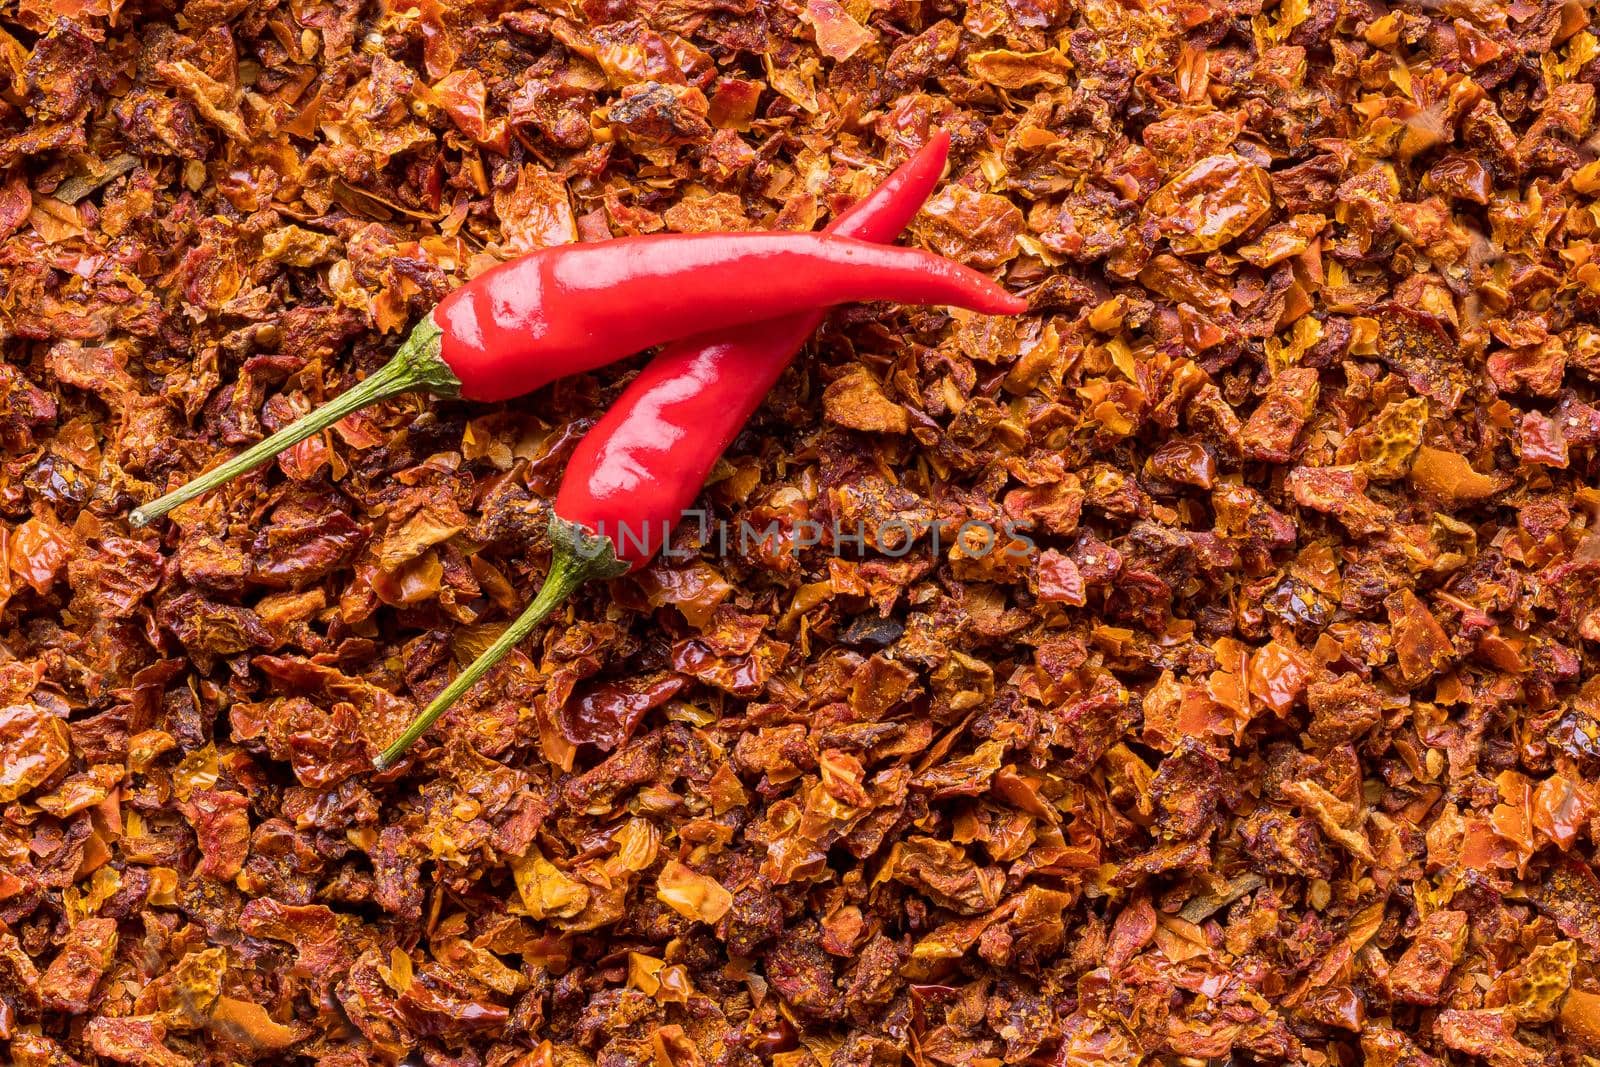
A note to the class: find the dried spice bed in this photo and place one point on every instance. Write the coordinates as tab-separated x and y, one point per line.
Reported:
1275	745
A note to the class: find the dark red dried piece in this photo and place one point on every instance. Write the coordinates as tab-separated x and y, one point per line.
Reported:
608	714
1417	346
68	982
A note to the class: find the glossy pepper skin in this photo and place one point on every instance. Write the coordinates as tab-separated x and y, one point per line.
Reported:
525	323
633	475
643	463
564	310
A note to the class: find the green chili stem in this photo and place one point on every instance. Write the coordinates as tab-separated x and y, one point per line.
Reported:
415	365
578	556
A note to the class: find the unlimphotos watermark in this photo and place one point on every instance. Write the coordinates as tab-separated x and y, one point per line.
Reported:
894	537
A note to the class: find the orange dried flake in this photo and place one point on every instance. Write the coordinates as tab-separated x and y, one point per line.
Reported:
37	551
838	35
857	401
536	212
546	890
692	895
1209	204
1277	675
1006	69
1422	648
1449	477
1561	808
1418	977
971	227
34	745
222	829
462	95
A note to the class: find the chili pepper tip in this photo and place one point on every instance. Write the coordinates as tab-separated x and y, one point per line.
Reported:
579	555
415	365
1011	304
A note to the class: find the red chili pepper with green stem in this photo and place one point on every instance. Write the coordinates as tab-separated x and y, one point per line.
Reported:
633	474
570	309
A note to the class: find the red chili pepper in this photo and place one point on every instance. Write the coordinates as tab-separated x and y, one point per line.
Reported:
631	477
570	309
637	469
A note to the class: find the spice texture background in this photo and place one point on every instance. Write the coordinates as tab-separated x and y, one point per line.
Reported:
1276	744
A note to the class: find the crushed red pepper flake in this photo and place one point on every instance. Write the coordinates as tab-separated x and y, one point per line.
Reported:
1264	731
